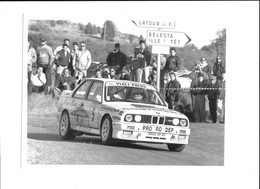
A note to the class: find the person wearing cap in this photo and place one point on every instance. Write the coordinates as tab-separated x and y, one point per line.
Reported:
213	94
31	59
37	81
45	59
116	59
82	60
218	69
172	91
137	65
199	91
145	51
173	62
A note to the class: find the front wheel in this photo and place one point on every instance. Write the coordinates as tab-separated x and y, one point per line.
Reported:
64	128
106	130
176	147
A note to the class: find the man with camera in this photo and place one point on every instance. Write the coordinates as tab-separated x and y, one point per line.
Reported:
37	82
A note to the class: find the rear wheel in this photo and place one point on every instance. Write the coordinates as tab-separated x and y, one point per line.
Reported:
106	130
176	147
64	128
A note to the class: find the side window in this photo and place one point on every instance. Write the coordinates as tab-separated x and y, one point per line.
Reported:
95	92
80	93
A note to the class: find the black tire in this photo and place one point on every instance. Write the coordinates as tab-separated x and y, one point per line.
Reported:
106	131
64	128
176	147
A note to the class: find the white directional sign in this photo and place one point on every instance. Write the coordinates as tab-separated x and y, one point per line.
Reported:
154	24
167	38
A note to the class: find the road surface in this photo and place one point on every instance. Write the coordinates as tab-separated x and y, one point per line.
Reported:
44	146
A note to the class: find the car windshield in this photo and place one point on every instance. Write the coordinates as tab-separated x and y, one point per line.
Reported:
133	94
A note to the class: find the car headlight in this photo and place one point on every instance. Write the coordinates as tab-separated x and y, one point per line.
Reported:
129	117
138	118
183	122
175	121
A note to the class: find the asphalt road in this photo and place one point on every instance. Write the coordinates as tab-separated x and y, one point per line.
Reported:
44	146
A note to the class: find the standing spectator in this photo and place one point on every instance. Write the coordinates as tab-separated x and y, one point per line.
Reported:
213	94
148	56
198	90
37	81
162	64
116	59
73	53
31	61
205	67
137	65
173	62
83	60
62	58
65	41
218	69
45	59
221	100
172	91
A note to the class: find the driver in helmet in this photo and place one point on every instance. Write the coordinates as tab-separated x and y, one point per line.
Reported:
137	94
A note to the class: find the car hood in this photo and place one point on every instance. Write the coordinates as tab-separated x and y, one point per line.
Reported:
146	109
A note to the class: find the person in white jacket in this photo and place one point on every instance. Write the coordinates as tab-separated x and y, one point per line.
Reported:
37	81
83	60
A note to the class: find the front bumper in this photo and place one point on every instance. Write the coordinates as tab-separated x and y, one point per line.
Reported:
141	132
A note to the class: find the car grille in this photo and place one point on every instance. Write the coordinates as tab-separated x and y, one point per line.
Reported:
158	120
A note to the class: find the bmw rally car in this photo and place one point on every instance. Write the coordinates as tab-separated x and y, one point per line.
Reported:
121	110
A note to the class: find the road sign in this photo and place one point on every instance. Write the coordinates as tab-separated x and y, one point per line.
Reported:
154	24
167	38
156	49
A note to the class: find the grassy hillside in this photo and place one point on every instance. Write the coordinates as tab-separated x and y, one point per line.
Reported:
55	35
56	31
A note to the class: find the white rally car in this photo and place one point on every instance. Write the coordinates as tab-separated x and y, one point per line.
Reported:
124	110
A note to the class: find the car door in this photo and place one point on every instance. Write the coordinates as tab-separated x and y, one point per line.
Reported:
79	113
95	96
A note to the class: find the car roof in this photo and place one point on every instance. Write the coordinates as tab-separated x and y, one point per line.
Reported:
116	80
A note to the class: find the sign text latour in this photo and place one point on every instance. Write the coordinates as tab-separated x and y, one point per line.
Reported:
156	24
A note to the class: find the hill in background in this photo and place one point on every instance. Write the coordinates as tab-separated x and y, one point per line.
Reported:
56	31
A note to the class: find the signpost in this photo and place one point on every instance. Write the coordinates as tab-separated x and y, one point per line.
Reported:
167	38
154	24
161	40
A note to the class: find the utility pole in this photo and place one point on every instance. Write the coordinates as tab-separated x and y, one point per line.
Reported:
105	30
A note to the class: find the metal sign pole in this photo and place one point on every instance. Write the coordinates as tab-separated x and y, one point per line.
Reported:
158	71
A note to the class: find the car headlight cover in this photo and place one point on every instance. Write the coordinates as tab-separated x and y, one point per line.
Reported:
175	121
138	118
129	117
183	122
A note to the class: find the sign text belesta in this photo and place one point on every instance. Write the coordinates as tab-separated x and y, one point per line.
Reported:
167	38
155	24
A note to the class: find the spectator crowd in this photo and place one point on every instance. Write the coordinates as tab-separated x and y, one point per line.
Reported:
50	72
